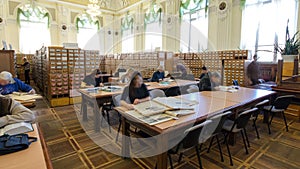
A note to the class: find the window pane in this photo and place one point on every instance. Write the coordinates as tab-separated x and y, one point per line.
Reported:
153	36
127	41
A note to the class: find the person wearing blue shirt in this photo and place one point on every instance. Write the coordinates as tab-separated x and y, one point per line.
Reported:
158	75
8	84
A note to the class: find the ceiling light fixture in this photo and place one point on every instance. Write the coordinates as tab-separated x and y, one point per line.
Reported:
93	8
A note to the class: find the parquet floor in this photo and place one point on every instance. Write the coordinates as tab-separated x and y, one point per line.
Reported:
70	146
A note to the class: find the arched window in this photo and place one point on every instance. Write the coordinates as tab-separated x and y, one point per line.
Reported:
194	25
88	34
259	34
127	34
34	28
153	30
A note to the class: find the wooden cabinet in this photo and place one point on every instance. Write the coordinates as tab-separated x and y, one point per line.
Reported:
8	61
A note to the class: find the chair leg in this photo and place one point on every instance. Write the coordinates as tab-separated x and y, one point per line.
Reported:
170	159
246	135
180	157
220	150
230	158
210	144
119	128
198	155
244	142
254	124
108	121
286	126
269	123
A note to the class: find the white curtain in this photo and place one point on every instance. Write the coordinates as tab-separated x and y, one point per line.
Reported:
88	38
127	41
153	36
33	35
266	18
196	37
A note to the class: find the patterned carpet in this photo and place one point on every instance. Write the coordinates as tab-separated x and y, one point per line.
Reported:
70	146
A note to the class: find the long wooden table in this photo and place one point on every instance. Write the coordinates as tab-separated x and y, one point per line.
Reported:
98	98
210	103
36	156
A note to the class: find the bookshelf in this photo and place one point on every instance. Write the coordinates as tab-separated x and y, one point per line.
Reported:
8	61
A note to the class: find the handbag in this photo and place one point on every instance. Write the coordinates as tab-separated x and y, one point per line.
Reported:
14	143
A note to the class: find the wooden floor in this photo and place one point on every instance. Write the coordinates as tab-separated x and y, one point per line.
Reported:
70	146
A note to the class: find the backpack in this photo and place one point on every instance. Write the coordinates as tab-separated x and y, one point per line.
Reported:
14	143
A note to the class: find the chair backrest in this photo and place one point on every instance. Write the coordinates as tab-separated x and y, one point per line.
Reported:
157	93
192	135
282	102
117	100
218	122
193	89
243	118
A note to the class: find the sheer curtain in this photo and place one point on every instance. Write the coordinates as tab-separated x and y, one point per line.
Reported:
127	41
264	23
153	36
33	35
196	37
88	38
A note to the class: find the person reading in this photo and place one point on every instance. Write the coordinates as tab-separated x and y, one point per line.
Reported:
136	92
12	111
158	75
204	72
93	79
8	84
210	81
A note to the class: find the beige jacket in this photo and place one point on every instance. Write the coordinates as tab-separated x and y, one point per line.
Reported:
12	111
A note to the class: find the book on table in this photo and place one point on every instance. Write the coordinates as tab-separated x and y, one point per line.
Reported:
16	128
151	120
162	104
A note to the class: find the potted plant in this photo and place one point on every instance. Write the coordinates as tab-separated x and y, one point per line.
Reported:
291	47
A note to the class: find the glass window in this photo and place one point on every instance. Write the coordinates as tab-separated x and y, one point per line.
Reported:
88	36
127	41
194	26
261	33
34	31
153	31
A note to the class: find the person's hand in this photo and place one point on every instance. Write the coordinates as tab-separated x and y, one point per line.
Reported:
32	91
136	101
101	85
130	107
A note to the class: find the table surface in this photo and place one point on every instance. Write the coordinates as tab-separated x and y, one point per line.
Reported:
209	103
32	157
150	86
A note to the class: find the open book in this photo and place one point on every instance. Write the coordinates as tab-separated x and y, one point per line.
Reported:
175	103
151	120
16	128
178	113
161	104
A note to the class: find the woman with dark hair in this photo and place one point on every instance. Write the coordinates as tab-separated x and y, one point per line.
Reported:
136	92
93	79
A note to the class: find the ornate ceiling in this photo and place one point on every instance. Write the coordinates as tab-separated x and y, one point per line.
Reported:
113	5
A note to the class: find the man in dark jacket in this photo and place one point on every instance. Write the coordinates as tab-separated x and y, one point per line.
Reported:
209	81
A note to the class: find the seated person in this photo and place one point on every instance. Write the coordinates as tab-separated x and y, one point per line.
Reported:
158	75
182	69
253	71
203	72
12	111
136	92
92	80
209	81
127	76
8	84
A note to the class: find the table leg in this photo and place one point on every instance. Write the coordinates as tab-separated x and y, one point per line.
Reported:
162	159
84	109
96	117
125	138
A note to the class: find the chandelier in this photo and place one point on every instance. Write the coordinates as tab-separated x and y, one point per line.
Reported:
93	9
